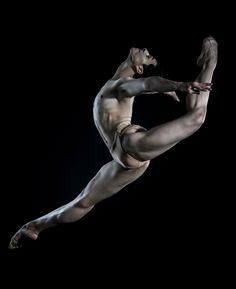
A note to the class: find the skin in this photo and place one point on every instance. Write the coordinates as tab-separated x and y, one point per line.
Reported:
112	110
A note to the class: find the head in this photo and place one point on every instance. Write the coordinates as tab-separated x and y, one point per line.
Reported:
140	58
135	63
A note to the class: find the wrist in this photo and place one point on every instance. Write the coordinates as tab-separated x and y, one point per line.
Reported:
180	86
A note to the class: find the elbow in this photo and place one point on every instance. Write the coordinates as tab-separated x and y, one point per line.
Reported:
158	84
149	84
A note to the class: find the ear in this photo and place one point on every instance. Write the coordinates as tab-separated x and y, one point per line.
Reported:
139	69
131	54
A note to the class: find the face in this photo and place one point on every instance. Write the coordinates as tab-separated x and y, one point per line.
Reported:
139	57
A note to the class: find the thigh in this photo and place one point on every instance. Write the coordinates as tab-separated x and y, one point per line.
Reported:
110	179
151	143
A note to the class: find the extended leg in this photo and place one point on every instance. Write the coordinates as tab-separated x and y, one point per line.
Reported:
207	61
148	145
110	179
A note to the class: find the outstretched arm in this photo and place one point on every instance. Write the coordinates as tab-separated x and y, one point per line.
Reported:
155	84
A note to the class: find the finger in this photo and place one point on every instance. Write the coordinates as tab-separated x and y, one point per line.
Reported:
205	89
175	97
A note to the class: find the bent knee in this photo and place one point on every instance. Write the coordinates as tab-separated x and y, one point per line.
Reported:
198	117
83	202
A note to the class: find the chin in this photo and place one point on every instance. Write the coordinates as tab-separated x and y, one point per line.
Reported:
148	70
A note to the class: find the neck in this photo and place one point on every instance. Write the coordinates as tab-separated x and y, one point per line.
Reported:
126	69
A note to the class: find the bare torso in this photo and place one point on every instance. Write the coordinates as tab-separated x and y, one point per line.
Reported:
110	111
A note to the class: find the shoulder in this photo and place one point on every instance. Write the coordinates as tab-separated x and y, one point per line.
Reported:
116	82
112	85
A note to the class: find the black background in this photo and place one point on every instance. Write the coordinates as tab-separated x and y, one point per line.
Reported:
177	211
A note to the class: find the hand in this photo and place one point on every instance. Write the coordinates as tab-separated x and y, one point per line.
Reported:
173	95
195	87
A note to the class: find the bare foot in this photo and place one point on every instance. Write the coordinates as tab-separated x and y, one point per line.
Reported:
209	52
28	231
